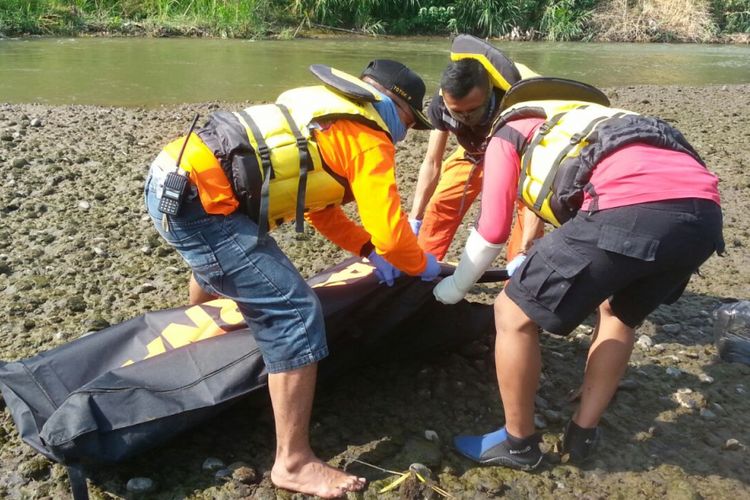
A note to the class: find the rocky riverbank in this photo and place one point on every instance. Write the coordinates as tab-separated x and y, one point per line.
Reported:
78	253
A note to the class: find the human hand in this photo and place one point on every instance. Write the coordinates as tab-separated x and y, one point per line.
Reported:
514	264
415	224
447	292
432	270
384	270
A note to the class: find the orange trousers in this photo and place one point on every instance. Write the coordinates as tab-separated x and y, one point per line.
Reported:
446	210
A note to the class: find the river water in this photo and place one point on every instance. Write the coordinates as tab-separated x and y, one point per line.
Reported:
151	71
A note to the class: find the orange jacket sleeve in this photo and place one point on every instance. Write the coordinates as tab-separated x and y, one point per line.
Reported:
366	158
333	223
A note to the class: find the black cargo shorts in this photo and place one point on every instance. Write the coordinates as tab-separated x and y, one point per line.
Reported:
638	256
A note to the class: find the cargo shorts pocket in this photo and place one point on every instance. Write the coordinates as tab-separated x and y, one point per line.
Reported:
549	272
623	242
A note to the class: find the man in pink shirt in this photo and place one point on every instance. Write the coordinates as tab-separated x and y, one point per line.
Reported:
630	196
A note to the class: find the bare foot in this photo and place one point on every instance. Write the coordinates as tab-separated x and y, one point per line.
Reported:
315	477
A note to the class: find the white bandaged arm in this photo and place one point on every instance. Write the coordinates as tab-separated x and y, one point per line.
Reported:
476	258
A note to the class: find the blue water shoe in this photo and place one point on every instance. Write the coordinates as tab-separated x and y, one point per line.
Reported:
500	448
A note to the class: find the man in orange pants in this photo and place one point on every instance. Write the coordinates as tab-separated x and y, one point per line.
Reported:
466	106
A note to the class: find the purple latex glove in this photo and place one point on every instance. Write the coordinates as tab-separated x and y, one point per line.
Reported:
433	268
384	270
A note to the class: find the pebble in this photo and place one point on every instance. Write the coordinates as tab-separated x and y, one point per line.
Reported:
689	399
540	402
671	328
708	414
431	435
20	162
659	348
674	372
421	469
212	464
645	342
583	339
740	389
76	303
706	379
100	251
36	122
628	384
222	474
144	288
539	421
244	474
84	205
553	416
140	485
732	444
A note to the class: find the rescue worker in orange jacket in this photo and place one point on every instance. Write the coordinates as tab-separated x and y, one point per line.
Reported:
471	88
301	157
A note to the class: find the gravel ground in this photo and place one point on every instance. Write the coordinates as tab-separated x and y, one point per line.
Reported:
78	253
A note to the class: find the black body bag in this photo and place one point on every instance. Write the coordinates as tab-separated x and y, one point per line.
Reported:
115	393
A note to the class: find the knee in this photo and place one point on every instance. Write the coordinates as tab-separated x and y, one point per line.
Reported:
511	319
605	310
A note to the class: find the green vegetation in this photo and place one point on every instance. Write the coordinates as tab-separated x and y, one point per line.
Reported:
621	20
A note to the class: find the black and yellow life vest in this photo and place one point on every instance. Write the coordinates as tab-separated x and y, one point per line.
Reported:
580	129
502	71
268	158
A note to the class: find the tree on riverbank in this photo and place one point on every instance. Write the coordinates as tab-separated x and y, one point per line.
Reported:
621	20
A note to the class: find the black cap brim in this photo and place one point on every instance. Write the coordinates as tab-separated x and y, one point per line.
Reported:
422	122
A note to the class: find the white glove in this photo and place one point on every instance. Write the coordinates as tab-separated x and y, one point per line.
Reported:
477	256
447	292
514	264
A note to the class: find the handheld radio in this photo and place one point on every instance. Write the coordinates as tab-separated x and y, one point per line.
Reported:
176	183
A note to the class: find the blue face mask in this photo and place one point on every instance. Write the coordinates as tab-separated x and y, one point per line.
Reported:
387	110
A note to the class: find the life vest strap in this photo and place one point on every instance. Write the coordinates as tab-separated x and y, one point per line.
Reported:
265	160
575	139
305	165
543	129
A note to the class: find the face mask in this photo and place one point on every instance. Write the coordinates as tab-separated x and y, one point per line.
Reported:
387	110
478	115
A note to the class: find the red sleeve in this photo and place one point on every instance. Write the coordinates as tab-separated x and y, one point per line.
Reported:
499	190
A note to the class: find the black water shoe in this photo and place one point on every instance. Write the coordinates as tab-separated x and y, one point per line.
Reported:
579	443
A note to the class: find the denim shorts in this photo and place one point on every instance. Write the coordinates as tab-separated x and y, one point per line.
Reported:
637	256
228	259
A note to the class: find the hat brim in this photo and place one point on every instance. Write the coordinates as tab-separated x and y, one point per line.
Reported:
422	122
344	83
